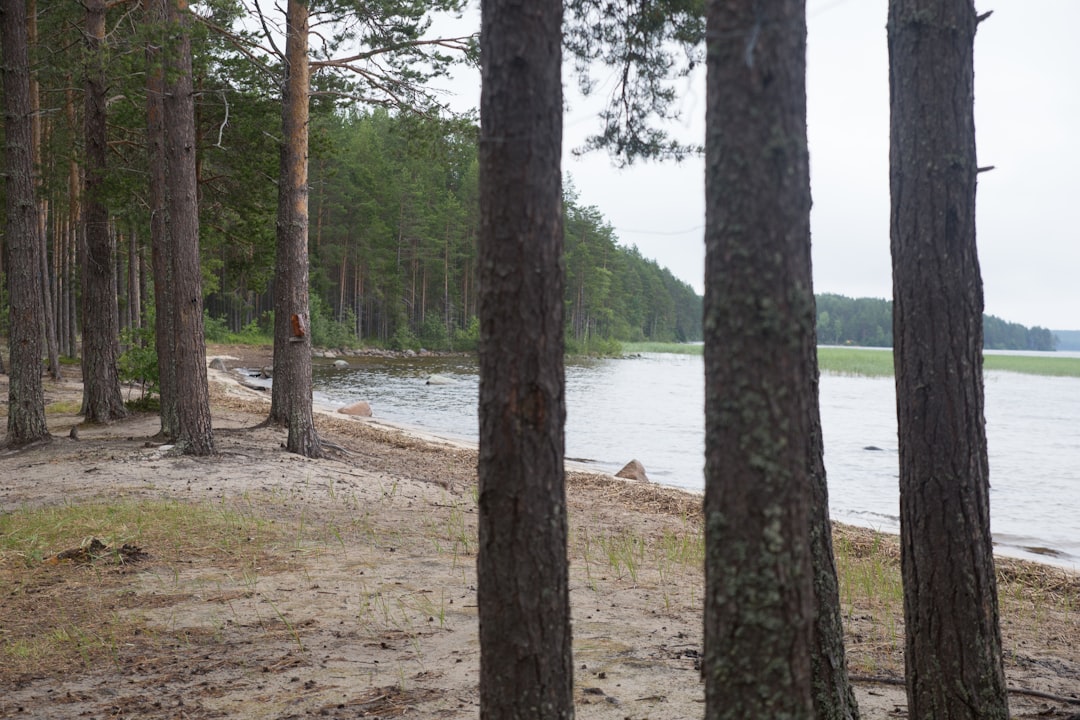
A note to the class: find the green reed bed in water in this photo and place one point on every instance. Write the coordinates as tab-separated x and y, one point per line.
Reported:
878	362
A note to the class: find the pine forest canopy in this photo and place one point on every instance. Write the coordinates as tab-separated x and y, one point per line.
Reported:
393	195
393	209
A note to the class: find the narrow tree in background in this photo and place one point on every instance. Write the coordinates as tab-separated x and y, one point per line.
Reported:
953	640
759	368
183	274
102	401
291	394
45	277
26	396
522	583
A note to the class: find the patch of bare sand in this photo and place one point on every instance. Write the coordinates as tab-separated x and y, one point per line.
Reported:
367	605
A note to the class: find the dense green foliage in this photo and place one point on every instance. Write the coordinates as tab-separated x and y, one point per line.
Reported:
867	322
394	217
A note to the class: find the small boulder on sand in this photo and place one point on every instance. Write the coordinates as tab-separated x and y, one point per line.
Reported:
633	470
360	408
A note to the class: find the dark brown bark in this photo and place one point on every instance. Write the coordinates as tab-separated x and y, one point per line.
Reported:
45	276
522	588
74	233
160	247
102	400
194	434
26	396
135	280
291	393
953	641
759	368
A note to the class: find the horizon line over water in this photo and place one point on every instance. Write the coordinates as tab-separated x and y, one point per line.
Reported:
652	409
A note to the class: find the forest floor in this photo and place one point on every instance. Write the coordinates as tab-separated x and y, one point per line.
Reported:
259	584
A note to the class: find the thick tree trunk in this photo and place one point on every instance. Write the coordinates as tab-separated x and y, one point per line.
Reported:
102	400
953	645
26	395
291	393
194	434
526	666
759	367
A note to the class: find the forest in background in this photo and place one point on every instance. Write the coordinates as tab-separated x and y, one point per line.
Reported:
393	218
393	207
394	226
867	322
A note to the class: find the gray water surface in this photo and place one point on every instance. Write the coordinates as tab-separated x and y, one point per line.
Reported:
652	408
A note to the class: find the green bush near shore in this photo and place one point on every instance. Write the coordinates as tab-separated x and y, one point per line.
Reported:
879	363
631	348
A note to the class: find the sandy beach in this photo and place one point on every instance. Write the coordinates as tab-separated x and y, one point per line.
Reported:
259	584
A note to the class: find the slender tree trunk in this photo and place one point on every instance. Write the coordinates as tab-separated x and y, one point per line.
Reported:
448	320
160	246
74	234
102	400
134	281
194	433
953	640
59	234
73	288
122	300
526	668
48	314
26	395
759	369
43	207
291	393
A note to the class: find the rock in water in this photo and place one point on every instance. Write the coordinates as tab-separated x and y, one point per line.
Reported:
341	363
633	470
359	408
441	380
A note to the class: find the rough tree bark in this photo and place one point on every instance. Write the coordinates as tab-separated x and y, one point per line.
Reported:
759	367
102	400
26	395
953	640
522	590
194	434
45	275
160	262
291	392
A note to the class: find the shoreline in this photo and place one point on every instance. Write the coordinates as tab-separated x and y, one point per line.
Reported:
346	585
1027	548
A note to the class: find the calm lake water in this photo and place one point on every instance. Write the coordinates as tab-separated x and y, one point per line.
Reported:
651	408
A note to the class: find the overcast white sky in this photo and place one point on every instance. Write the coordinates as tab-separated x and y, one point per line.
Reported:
1027	118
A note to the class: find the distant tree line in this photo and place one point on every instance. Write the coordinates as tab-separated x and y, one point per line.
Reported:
868	322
